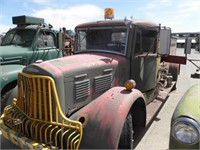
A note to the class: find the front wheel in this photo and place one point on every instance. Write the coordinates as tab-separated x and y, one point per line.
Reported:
4	98
126	138
5	94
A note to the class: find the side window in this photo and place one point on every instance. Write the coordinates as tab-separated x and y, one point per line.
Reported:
149	41
46	39
138	43
146	41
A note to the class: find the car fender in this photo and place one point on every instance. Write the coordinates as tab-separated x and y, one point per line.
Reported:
188	111
189	104
103	118
9	73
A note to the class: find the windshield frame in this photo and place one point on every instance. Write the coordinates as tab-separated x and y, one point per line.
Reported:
113	28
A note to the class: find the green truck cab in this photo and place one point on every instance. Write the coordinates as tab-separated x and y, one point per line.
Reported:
31	40
98	97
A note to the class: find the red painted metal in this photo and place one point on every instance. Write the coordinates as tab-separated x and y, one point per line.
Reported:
175	59
106	116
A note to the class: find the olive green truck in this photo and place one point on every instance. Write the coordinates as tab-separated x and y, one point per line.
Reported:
31	40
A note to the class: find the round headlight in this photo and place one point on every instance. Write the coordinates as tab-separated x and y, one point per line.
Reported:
186	132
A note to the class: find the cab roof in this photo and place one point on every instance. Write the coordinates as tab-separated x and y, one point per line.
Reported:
116	23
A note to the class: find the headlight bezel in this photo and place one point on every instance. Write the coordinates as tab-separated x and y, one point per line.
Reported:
188	122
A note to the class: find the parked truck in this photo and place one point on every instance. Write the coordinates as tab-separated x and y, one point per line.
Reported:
98	97
31	40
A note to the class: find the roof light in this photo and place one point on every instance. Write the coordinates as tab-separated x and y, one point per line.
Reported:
108	13
26	20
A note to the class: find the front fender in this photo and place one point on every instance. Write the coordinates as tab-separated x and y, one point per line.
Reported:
9	74
189	104
103	118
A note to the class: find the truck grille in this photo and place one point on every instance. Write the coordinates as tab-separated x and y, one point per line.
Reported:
103	82
37	114
82	89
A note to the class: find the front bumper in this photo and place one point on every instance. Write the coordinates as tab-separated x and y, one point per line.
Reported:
21	141
35	119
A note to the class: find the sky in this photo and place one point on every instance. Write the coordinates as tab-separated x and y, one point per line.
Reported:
179	15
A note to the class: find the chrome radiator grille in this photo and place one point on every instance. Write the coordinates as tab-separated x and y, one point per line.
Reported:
37	114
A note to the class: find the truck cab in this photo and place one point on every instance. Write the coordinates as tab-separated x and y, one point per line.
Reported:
137	45
29	41
96	98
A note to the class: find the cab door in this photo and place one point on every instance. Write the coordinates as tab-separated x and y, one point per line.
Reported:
45	46
144	58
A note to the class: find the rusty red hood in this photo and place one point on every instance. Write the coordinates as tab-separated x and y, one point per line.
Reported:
75	64
98	72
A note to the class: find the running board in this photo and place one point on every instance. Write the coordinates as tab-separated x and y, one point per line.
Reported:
155	106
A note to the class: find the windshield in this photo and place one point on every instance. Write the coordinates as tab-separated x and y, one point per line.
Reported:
23	37
111	39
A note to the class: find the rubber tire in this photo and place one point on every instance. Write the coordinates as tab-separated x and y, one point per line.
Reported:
126	138
5	94
4	99
174	69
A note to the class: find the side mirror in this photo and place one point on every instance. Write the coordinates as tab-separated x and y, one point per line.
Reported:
60	41
165	41
188	42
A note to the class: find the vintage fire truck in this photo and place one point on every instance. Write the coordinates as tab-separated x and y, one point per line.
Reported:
97	98
29	41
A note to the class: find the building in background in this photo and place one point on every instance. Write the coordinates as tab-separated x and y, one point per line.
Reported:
182	36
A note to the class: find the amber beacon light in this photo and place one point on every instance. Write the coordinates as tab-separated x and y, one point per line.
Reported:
109	13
